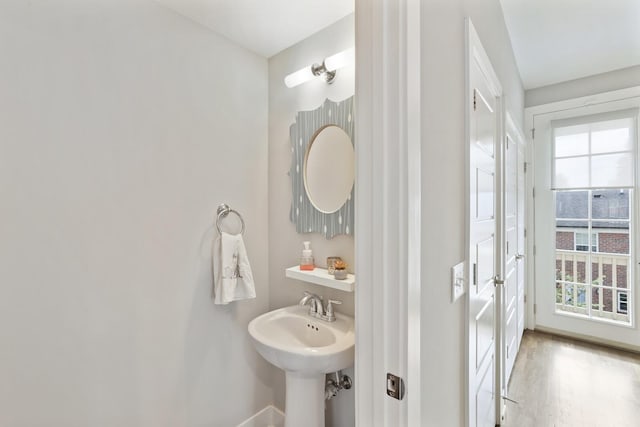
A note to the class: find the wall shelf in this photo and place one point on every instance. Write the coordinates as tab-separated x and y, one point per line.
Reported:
319	276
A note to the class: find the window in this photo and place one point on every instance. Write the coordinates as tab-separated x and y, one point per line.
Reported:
593	274
622	302
593	175
582	241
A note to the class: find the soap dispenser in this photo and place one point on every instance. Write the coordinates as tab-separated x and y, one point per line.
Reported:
306	261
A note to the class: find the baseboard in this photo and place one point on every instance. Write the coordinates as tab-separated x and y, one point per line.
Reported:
268	417
589	339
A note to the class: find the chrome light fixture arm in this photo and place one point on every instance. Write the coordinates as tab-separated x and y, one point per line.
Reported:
321	70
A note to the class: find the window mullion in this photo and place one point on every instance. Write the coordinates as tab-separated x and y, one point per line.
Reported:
588	266
633	261
590	172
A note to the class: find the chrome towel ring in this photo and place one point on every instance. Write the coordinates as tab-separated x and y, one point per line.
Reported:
223	211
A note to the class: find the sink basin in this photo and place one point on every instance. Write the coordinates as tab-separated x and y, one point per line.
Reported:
306	348
294	341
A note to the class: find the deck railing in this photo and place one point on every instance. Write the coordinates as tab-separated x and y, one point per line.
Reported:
599	291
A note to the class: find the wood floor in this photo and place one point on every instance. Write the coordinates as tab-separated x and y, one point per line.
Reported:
564	383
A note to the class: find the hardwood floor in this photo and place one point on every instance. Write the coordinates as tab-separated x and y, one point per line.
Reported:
559	382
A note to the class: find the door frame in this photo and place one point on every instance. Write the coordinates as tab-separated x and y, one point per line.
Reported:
530	114
388	203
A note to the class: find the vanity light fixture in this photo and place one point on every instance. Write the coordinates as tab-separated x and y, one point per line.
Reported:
327	69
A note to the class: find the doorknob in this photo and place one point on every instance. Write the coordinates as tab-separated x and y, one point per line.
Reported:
519	256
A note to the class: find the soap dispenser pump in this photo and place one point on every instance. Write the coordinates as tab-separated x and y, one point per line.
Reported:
306	261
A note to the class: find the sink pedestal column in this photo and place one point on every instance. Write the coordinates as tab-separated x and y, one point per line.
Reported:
304	400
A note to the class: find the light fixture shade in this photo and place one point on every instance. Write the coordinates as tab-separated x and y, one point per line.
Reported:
303	75
340	60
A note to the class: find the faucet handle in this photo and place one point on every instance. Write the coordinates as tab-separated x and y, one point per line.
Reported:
330	313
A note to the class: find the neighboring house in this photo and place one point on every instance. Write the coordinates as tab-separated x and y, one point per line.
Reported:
593	226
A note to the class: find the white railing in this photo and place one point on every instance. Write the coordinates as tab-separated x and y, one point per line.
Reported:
584	289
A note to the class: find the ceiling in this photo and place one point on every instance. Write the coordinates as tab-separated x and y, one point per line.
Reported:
553	40
263	26
560	40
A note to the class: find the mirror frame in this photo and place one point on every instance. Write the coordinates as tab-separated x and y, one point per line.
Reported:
303	213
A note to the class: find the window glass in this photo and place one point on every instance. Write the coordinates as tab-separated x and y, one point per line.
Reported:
572	204
572	144
611	170
611	136
596	154
593	260
572	172
610	204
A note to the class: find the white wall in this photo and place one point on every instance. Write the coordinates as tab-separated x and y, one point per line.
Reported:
443	184
587	86
285	244
122	127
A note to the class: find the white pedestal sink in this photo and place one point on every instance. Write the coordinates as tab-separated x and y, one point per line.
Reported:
306	348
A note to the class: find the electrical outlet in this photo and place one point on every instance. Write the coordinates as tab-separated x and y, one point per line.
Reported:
457	281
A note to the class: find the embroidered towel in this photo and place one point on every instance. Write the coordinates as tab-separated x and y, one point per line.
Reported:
233	279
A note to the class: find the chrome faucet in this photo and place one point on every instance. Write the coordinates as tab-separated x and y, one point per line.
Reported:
314	302
316	309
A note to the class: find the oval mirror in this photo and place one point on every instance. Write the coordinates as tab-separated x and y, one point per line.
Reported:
329	170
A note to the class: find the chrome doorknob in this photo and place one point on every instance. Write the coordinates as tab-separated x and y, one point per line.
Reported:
519	256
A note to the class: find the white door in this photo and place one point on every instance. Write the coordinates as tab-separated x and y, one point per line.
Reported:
512	301
522	244
584	285
484	123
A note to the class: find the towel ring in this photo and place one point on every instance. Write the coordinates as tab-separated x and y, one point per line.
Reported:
223	211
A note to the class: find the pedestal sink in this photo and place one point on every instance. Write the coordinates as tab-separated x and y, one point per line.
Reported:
306	348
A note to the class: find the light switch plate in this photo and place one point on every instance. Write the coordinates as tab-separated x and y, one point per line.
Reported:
457	281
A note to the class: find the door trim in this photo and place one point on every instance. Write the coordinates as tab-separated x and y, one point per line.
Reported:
388	203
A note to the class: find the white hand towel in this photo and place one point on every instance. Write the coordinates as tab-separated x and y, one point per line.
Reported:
233	279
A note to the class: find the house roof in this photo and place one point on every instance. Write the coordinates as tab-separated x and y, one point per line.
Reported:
572	209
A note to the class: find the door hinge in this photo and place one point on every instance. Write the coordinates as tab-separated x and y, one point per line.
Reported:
525	167
533	133
507	247
534	192
475	105
525	298
395	386
525	233
534	250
